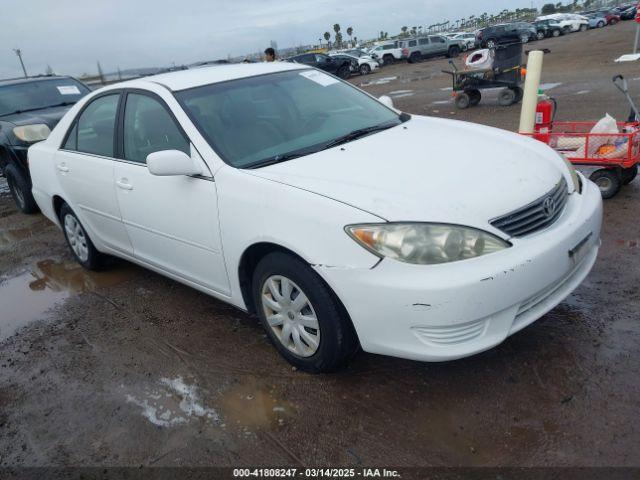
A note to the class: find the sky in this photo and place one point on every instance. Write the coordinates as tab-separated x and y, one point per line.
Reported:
73	35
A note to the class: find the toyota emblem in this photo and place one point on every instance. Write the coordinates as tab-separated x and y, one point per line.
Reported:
548	207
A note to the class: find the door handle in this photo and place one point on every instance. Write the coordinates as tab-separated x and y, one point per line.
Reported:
63	167
124	184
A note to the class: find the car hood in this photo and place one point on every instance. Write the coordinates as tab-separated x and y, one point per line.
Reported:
48	116
429	169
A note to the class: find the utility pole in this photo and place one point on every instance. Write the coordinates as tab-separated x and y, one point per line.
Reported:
19	54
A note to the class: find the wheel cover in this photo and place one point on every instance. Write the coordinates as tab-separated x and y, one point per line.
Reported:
76	237
290	315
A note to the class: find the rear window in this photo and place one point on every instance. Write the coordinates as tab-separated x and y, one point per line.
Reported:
40	94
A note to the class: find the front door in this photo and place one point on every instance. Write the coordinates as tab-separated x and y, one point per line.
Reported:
172	221
85	166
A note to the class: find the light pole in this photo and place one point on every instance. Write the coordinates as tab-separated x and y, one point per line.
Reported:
19	54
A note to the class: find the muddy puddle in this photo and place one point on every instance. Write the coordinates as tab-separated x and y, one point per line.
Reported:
10	236
28	296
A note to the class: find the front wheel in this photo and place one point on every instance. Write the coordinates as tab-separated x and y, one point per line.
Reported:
613	22
583	28
344	72
453	52
301	315
20	190
491	44
79	242
524	38
388	59
365	69
556	33
415	57
463	100
600	24
540	35
608	181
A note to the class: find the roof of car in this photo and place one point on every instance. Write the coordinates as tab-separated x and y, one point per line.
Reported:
184	79
15	81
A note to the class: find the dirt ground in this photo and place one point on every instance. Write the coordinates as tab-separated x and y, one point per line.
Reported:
128	368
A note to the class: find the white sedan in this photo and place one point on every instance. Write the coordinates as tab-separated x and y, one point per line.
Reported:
366	64
339	221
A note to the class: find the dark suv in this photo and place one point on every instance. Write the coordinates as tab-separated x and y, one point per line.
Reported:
29	109
340	65
548	28
522	32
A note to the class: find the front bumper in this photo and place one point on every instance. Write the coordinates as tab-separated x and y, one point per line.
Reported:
450	311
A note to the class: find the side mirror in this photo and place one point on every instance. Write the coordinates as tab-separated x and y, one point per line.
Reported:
168	163
386	100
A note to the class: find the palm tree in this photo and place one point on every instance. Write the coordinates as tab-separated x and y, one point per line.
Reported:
350	32
327	36
404	31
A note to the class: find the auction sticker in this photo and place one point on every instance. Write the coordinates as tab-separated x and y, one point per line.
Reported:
68	90
319	77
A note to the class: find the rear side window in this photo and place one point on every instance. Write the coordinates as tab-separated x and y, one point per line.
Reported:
149	128
423	41
72	139
412	43
95	127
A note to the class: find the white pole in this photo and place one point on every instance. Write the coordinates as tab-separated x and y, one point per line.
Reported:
530	97
635	44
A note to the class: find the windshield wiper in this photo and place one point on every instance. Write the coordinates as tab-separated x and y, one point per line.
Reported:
277	159
62	104
355	134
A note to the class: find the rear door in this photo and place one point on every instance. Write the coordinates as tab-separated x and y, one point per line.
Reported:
425	46
172	221
85	166
438	45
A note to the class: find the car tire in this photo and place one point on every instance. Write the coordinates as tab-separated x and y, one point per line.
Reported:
81	246
506	97
600	25
491	43
20	190
556	33
566	29
315	335
344	72
518	92
608	181
629	174
540	35
453	52
613	22
463	101
415	57
583	27
365	69
524	38
388	59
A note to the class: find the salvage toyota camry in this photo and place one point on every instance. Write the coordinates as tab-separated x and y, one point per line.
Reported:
339	221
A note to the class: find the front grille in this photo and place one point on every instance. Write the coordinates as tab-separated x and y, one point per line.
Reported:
537	215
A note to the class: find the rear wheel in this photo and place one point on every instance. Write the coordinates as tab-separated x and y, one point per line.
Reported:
600	24
463	100
524	38
583	27
491	43
629	174
608	181
453	52
79	242
415	57
556	33
506	97
365	69
301	315
540	35
388	59
519	93
613	21
20	190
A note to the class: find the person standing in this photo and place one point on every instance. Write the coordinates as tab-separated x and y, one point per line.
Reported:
270	55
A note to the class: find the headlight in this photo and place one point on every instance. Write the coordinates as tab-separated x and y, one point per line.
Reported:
577	186
32	133
425	243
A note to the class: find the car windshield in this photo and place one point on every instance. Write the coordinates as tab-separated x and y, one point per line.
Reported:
39	94
260	120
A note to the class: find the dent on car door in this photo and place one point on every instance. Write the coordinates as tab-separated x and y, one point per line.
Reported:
172	221
84	166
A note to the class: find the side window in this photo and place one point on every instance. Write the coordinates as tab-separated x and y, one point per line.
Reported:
148	128
388	47
412	43
72	139
438	40
423	41
320	58
96	126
